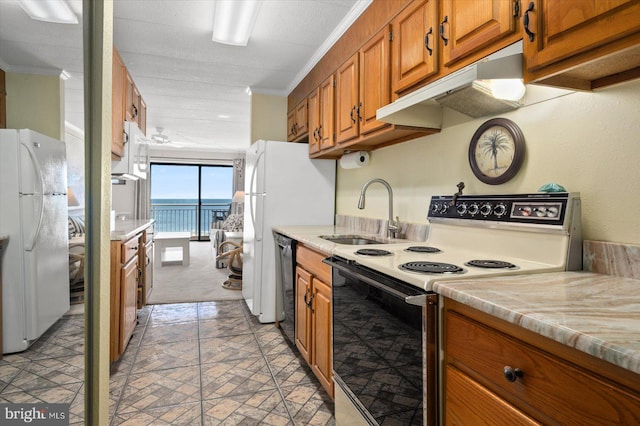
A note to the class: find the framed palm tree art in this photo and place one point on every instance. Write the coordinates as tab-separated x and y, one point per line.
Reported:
496	151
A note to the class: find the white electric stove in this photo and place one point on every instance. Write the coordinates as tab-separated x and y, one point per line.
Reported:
481	236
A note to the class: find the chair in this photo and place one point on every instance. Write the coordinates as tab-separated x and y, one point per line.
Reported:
234	255
228	230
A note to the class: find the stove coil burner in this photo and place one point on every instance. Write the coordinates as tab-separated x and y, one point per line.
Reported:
373	252
423	249
491	264
431	268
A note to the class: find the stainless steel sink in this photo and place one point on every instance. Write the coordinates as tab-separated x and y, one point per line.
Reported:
352	240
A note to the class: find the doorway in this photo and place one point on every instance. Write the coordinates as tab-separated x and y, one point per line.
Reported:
190	197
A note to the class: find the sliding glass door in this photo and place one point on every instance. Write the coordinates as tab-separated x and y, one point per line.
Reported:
189	198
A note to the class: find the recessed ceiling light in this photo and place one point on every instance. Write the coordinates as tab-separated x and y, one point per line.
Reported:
56	11
223	116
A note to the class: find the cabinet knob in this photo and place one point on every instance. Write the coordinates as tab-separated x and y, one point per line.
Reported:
511	374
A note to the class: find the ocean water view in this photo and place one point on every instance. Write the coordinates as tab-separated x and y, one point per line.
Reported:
184	214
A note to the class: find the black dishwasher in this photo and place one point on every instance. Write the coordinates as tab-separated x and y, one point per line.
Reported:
285	286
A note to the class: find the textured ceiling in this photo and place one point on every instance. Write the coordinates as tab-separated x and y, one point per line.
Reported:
194	88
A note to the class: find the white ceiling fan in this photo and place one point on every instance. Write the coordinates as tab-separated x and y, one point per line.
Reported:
160	138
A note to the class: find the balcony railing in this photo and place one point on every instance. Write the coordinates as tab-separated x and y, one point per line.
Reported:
185	217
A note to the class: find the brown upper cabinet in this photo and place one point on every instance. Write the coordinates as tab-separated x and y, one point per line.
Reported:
117	119
363	86
427	46
581	44
469	27
415	34
127	105
321	109
297	123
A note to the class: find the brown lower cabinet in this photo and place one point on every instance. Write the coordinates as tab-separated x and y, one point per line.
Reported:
125	276
500	374
313	313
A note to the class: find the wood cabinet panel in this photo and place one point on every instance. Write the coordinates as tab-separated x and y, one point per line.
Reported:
142	116
291	125
129	276
469	403
567	28
347	101
313	109
550	389
415	44
117	114
469	26
327	113
313	314
582	45
375	80
297	122
303	313
321	346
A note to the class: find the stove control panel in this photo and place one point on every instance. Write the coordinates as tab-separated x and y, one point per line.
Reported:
539	208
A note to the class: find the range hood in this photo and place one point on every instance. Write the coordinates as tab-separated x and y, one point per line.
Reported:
465	91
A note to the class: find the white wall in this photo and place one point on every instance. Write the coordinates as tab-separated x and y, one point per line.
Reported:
588	142
74	140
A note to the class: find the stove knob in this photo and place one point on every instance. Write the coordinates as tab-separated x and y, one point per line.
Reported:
525	211
461	209
435	207
444	208
473	209
500	210
485	210
540	211
552	212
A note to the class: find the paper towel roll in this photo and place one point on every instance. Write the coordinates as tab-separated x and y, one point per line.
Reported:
354	160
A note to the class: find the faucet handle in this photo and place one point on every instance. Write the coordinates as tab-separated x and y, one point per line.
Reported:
394	227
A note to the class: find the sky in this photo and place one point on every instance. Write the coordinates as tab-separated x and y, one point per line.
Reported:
181	181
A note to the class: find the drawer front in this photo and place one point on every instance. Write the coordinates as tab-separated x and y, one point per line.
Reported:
311	260
469	403
129	249
550	389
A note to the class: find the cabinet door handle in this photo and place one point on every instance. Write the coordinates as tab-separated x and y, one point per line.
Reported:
311	303
426	41
353	109
444	39
126	137
525	22
135	111
511	374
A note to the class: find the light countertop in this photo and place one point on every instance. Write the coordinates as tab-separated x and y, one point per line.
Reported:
125	229
595	313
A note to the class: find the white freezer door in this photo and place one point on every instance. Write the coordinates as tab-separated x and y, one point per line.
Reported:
42	164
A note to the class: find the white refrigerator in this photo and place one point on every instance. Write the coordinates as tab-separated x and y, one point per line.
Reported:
282	187
33	214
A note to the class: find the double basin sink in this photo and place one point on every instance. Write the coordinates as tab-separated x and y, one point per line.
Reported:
353	240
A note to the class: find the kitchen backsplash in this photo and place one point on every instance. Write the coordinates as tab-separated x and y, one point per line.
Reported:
409	231
622	260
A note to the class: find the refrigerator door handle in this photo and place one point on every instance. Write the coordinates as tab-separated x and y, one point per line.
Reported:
36	166
252	197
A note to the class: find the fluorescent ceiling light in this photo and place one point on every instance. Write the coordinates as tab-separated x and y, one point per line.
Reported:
56	11
510	89
233	21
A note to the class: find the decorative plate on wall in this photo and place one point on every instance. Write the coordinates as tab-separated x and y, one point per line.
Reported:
496	151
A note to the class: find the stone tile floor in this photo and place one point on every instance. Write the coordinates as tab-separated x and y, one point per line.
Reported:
208	363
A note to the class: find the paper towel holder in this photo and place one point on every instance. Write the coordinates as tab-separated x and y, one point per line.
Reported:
354	159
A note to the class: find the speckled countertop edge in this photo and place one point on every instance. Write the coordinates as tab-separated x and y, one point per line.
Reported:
595	313
125	229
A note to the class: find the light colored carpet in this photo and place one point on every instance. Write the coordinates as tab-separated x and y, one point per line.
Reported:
198	282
